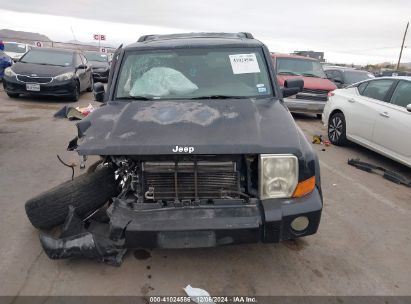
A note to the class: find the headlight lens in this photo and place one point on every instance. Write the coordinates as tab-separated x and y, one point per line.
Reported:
278	175
65	76
9	72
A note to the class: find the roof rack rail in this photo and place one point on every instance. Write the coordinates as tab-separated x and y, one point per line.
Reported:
246	35
145	38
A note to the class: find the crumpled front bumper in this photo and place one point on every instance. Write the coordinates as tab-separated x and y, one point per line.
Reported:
186	227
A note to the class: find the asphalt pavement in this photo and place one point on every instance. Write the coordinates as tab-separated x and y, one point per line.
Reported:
363	245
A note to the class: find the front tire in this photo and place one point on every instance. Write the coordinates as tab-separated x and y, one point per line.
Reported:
85	193
90	88
13	95
75	96
337	129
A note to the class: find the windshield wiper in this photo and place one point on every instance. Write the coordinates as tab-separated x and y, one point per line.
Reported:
135	98
310	75
288	73
217	97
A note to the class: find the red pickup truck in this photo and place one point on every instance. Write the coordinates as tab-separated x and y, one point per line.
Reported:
316	85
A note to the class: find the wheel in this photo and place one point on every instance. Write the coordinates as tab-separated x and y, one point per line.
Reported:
90	88
75	96
85	193
319	116
336	129
13	95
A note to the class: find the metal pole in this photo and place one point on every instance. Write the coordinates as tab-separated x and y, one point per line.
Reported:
402	46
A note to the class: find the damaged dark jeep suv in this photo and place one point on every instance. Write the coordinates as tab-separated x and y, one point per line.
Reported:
197	150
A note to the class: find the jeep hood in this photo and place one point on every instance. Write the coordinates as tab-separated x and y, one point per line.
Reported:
224	126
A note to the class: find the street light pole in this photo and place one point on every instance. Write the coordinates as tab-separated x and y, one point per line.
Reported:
402	46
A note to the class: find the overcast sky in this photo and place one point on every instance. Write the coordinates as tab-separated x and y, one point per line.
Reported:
350	31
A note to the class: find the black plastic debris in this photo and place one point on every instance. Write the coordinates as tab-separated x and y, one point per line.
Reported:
78	241
387	174
70	113
72	144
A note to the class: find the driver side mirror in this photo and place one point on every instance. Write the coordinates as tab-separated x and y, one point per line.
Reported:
99	91
408	107
292	87
82	67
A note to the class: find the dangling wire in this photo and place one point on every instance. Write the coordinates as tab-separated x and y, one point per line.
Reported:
67	165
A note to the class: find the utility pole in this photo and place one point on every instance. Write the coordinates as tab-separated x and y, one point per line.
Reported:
72	32
402	46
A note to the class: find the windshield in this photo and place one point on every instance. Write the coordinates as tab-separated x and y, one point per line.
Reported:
356	76
94	56
300	67
14	47
194	73
48	58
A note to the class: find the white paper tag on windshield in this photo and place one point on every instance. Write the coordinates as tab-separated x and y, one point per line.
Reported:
244	63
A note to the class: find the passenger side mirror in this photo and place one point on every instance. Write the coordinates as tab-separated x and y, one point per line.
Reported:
99	92
408	107
292	87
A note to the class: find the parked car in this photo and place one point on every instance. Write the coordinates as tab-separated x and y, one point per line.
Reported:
203	148
5	61
16	50
385	73
48	71
343	77
316	85
100	65
375	114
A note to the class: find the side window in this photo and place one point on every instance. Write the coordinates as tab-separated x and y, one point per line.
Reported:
402	94
330	73
338	75
362	87
378	89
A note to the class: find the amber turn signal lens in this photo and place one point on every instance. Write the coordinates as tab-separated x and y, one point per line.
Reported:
304	187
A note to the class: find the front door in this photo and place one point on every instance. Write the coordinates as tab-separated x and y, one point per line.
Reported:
392	130
365	108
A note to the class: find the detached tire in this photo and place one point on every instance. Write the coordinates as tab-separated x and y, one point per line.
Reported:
86	193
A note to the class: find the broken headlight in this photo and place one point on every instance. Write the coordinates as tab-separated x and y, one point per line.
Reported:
278	175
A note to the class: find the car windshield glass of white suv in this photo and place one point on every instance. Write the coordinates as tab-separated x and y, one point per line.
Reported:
47	57
94	56
300	67
14	48
194	74
356	76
